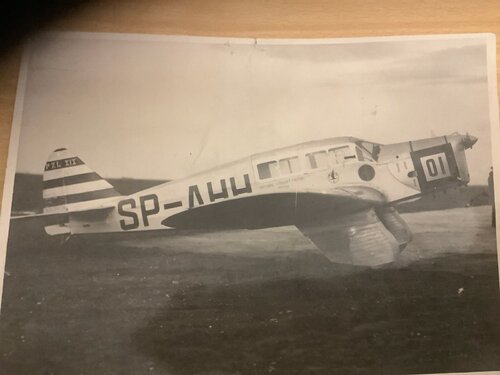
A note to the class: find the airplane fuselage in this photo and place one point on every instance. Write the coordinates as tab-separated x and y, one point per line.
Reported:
301	183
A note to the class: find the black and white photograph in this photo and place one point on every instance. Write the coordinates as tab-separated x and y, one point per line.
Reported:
199	205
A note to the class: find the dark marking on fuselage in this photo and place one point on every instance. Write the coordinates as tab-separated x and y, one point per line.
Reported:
149	205
168	206
214	196
126	213
237	191
194	192
151	211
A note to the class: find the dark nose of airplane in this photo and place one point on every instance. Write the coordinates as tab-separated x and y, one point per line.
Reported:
468	140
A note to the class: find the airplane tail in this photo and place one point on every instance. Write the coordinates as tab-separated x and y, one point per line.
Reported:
69	184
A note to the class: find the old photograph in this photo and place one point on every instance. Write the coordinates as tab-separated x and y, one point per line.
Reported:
195	205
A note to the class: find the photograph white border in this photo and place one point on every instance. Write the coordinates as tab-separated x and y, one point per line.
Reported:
10	171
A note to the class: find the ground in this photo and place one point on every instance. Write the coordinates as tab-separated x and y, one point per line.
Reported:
253	302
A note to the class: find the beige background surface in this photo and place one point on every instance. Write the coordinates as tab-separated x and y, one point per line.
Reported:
262	18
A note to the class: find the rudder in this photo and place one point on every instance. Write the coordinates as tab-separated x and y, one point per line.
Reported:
68	183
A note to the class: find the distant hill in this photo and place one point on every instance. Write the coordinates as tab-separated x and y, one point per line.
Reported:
28	194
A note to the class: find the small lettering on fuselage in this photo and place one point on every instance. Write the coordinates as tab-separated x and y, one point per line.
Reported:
149	204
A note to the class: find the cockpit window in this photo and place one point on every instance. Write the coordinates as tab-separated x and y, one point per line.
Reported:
317	159
369	149
268	170
363	155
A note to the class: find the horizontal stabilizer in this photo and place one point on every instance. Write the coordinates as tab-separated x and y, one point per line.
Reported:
98	212
60	223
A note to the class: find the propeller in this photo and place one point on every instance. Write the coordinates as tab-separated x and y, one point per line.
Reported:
468	140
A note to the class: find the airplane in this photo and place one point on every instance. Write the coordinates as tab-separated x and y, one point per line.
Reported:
339	192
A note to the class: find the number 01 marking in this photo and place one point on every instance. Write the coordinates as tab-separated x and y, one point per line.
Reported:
435	166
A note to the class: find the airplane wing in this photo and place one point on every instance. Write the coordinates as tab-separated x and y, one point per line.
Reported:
367	235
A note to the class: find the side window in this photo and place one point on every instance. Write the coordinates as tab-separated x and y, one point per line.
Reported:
317	159
268	170
289	165
339	155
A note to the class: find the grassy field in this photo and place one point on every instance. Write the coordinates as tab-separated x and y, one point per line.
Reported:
253	302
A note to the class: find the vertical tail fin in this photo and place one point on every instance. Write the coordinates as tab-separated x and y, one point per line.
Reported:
68	183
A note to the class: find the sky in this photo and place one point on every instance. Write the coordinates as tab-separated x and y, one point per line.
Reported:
163	108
